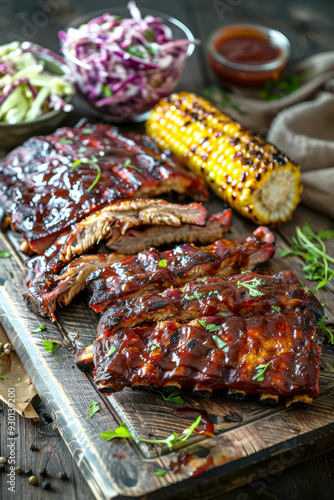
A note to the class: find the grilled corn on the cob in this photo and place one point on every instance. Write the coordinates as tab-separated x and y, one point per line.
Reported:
253	176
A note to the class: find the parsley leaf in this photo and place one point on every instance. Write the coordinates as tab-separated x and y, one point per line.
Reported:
39	329
93	408
154	347
50	346
123	432
276	308
173	397
111	350
260	372
196	295
252	286
4	254
219	342
162	263
3	378
160	472
211	327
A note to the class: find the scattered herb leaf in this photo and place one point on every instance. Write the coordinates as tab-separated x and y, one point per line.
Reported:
87	131
90	161
111	351
276	89
57	359
50	346
173	397
4	254
219	342
123	432
39	329
276	308
162	263
252	286
209	327
310	247
64	140
154	347
160	472
196	295
226	349
260	372
3	378
106	91
93	408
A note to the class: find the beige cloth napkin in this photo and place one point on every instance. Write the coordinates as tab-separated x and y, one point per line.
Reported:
306	133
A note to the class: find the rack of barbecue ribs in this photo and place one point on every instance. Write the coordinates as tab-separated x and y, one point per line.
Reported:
51	182
149	270
248	334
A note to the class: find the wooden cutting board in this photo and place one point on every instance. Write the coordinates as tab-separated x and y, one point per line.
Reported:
250	441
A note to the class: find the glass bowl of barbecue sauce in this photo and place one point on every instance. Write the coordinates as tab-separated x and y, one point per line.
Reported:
247	55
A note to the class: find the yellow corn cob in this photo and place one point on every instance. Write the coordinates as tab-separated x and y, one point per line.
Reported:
253	176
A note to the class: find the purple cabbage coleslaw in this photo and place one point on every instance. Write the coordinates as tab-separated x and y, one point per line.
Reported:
125	66
27	90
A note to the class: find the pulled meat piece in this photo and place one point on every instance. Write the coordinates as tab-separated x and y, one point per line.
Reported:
44	194
154	270
271	354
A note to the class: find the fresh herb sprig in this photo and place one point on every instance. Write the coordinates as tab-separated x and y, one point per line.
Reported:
50	346
210	327
311	248
252	286
123	432
93	408
174	397
276	89
39	329
4	254
90	161
261	369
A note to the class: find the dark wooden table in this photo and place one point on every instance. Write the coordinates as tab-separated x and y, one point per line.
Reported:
308	25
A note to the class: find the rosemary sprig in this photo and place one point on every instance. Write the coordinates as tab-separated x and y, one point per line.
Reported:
123	432
311	248
252	286
90	161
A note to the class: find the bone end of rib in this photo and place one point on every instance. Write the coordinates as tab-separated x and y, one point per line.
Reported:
84	357
300	400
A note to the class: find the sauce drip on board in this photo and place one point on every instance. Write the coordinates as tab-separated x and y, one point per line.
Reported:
205	426
185	460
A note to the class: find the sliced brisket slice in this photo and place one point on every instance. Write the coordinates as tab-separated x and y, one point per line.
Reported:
44	195
49	280
215	353
152	270
243	294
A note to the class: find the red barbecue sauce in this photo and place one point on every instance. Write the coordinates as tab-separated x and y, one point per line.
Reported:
247	46
185	460
205	426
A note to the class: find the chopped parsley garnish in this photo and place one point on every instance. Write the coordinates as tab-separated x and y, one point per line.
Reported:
4	254
39	329
3	378
260	372
154	347
209	327
50	346
106	91
93	408
276	308
64	140
162	263
90	161
196	295
123	432
160	472
252	286
219	342
311	248
173	396
128	164
87	131
111	350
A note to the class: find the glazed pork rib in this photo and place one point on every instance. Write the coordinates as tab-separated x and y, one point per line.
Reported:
154	270
243	294
43	194
50	280
273	355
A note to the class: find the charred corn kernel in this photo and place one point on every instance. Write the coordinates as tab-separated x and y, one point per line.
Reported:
253	176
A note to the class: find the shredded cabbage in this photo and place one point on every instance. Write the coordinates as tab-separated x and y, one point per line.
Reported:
26	89
125	66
